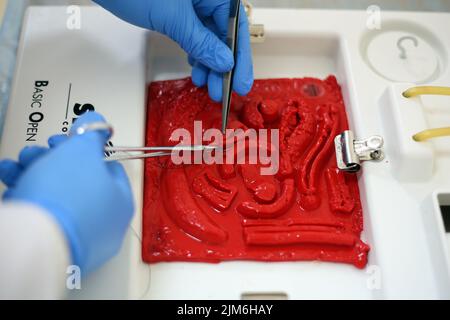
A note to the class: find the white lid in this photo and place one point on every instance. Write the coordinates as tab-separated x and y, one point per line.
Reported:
403	57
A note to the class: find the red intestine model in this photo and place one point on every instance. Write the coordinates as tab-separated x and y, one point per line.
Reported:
210	213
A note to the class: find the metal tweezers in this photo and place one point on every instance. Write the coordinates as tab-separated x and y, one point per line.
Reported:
232	39
127	153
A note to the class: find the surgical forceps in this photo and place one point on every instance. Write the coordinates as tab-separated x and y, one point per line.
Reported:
232	40
128	153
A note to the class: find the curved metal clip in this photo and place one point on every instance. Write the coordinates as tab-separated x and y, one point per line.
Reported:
351	152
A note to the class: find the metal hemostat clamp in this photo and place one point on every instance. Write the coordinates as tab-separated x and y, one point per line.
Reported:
351	152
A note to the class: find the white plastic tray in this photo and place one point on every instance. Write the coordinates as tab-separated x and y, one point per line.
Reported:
403	224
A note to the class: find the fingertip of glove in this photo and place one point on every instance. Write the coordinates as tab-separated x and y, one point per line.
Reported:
215	96
56	140
244	87
9	171
199	75
224	59
6	165
215	86
29	153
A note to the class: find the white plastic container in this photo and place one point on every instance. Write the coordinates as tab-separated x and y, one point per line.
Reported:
401	196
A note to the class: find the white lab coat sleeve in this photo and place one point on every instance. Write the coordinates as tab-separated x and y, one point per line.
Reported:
34	255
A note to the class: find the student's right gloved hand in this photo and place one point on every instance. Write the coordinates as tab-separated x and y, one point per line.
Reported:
90	198
200	28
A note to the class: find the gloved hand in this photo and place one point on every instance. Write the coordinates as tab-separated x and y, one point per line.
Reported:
200	28
91	199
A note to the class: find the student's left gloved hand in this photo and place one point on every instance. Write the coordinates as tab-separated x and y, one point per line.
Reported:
200	28
88	197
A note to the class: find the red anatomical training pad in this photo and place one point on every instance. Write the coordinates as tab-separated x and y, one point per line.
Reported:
212	213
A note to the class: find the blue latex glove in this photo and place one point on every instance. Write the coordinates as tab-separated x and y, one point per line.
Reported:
200	28
91	199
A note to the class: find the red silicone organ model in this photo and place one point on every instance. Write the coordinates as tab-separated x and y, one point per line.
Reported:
210	213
